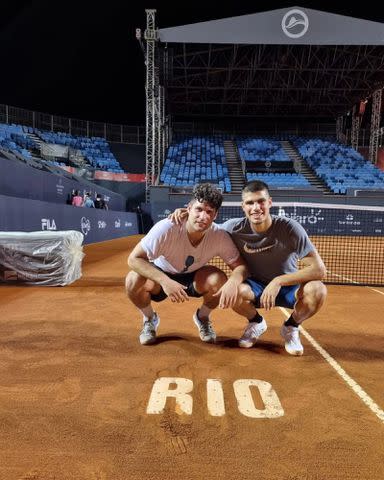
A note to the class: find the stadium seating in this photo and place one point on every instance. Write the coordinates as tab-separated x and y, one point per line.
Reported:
13	139
269	151
94	149
252	149
191	160
276	180
341	167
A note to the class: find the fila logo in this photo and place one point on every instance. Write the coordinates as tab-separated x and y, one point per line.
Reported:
48	224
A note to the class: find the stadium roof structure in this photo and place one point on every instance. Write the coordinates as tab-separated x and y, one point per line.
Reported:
284	63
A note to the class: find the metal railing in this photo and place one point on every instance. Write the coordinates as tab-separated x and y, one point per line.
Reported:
135	134
279	128
132	134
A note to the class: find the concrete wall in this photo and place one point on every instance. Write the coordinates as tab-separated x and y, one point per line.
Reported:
20	180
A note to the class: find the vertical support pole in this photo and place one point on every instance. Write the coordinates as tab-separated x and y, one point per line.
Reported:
339	129
150	36
355	128
375	125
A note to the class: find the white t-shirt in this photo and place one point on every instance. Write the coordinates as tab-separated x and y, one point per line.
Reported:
167	245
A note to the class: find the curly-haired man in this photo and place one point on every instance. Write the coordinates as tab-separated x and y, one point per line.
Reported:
171	261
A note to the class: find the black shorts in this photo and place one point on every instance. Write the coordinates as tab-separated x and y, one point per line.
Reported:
185	279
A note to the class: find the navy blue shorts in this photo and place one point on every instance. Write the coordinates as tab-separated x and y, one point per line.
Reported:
286	297
185	279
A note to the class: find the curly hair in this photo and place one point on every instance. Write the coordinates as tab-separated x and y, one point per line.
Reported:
206	193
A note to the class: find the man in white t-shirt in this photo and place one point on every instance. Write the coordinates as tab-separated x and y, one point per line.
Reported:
171	261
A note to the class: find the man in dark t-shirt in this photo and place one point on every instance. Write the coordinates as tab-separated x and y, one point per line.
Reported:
271	246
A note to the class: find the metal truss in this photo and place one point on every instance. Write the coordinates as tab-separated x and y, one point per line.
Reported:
375	125
152	107
271	80
340	129
355	128
308	83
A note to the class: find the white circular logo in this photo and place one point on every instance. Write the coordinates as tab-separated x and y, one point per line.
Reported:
295	23
85	225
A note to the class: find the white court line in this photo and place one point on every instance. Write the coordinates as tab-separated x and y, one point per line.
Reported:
344	278
356	283
343	374
378	291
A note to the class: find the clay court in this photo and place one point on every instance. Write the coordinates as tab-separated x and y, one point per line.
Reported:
76	387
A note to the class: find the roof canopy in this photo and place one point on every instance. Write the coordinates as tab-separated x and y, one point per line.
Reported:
292	62
292	26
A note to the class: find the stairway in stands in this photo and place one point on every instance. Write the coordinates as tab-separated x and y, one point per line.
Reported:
301	166
77	161
235	168
36	153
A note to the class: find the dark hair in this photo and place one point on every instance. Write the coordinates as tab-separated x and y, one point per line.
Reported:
255	186
205	192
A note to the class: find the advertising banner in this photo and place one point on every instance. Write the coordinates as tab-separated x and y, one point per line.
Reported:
17	214
316	219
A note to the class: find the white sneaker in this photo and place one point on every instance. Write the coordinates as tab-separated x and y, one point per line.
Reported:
148	333
291	336
252	332
206	331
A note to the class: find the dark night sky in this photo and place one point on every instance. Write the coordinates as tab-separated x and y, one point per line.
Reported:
80	60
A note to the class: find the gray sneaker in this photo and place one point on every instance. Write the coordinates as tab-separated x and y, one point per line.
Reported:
251	334
206	331
291	336
148	333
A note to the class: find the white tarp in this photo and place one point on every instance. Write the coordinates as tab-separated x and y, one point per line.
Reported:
41	258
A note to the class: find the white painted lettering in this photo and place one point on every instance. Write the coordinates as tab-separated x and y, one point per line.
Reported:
161	391
180	389
215	398
273	408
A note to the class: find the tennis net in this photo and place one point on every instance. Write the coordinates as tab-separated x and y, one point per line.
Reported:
349	238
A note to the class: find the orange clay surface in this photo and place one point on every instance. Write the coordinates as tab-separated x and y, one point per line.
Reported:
75	386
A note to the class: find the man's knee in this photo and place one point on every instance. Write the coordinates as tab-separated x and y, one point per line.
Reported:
133	282
245	293
315	293
209	279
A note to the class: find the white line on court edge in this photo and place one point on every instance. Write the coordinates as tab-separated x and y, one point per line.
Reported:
378	291
343	374
344	278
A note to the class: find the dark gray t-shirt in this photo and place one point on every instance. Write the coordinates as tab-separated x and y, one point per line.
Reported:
271	253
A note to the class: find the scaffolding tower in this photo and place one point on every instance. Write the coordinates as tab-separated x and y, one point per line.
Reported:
375	125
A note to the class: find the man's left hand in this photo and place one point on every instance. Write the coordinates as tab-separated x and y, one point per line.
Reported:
228	294
268	297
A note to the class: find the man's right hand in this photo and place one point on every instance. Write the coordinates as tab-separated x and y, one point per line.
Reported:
178	216
175	290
